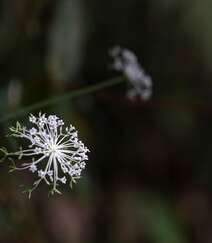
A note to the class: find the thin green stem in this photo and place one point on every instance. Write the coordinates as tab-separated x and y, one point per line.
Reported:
5	154
70	95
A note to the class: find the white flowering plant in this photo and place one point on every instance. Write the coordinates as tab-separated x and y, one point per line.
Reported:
126	61
54	151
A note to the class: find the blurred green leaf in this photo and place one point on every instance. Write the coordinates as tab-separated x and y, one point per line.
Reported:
66	40
161	222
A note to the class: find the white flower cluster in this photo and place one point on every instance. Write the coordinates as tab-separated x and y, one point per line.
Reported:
126	61
54	150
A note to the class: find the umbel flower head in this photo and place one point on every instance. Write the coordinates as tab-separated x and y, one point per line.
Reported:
54	150
126	61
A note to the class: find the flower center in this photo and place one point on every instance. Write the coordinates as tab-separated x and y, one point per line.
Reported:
53	148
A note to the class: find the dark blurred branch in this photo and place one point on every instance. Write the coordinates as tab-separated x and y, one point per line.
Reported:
15	16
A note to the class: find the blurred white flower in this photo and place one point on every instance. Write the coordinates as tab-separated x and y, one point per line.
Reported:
126	61
54	150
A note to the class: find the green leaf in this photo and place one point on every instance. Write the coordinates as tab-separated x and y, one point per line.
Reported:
161	220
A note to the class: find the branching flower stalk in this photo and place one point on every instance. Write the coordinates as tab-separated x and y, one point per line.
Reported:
54	150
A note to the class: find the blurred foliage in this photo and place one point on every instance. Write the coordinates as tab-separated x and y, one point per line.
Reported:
148	179
66	41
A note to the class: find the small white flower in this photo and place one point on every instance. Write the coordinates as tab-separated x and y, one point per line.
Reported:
53	150
41	173
33	131
126	61
32	119
50	173
78	172
33	167
60	123
71	172
42	120
36	139
38	150
82	165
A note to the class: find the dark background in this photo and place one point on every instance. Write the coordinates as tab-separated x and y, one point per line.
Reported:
149	176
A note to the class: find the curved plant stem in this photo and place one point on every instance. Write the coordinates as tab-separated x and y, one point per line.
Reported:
69	95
